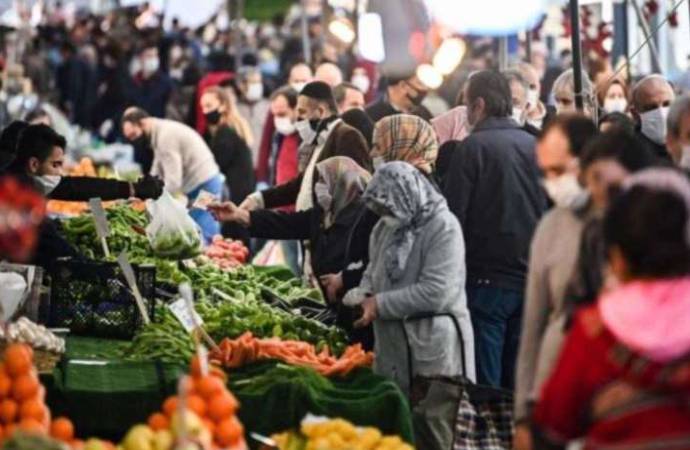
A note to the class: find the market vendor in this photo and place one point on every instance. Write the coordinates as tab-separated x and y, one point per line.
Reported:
181	158
39	152
337	227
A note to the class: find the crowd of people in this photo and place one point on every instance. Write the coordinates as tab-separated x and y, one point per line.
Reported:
556	239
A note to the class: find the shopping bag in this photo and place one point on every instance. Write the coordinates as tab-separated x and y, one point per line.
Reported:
172	233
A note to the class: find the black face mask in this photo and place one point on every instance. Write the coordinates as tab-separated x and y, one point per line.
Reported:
213	117
314	124
140	142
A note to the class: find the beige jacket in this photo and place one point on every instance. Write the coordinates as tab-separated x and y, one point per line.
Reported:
180	156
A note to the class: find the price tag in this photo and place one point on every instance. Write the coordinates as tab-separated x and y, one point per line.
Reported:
189	319
102	225
128	272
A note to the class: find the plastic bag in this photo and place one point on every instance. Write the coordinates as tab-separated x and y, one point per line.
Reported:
172	232
12	290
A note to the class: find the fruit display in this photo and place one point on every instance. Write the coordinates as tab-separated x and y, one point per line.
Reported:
337	434
225	254
37	336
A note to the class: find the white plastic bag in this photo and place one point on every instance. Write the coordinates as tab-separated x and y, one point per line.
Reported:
172	232
13	287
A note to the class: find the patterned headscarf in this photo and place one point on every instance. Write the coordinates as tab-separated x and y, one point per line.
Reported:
341	181
403	137
401	191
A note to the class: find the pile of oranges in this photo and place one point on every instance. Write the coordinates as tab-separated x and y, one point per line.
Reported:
22	398
209	398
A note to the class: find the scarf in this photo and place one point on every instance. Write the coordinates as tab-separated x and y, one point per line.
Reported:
403	137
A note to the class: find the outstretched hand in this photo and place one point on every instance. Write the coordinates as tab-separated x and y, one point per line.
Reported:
229	212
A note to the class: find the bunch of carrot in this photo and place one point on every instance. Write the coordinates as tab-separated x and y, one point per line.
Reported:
245	349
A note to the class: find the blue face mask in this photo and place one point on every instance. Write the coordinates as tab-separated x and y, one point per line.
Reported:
270	67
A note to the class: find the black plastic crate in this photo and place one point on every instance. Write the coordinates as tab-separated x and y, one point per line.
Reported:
92	298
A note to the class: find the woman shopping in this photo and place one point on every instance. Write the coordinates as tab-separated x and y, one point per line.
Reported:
337	227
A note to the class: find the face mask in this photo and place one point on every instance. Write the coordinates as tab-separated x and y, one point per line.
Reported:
532	97
150	66
685	157
255	91
306	133
47	183
417	99
390	221
563	190
323	197
378	161
212	117
284	125
298	86
654	124
518	116
139	142
361	82
536	123
612	105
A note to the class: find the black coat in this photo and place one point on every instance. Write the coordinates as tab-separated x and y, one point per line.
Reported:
658	150
83	188
493	186
234	158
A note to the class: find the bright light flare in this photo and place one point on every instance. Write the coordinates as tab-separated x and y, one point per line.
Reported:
342	29
449	55
429	76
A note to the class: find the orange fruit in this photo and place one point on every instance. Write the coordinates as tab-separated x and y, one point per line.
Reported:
209	386
25	387
189	387
32	426
195	367
158	421
33	409
5	384
219	373
170	406
222	406
62	429
9	430
18	359
228	431
8	411
209	425
196	404
77	444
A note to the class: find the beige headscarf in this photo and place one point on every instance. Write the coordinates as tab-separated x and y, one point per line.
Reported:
407	138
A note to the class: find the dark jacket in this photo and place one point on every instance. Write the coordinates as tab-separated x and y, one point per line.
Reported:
152	94
81	189
343	141
344	247
51	245
493	187
383	108
234	160
658	150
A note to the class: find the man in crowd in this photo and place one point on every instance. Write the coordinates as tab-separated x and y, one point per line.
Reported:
403	95
252	105
181	158
519	89
348	97
651	98
151	87
678	136
329	73
300	75
493	186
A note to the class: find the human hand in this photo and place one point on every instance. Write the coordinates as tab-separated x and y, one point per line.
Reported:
229	212
249	204
522	438
333	283
369	312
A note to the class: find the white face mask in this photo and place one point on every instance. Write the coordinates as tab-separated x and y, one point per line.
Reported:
536	123
612	105
298	86
378	161
654	124
532	97
150	65
284	125
685	157
323	197
47	183
563	190
305	131
361	82
254	92
390	221
518	115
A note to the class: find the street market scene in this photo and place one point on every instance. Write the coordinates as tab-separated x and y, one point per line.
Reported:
344	224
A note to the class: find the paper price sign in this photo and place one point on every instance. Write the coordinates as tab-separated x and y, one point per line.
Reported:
189	318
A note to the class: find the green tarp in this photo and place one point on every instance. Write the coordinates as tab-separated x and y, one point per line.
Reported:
104	397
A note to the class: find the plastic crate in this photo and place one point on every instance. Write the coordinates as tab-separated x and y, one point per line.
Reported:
93	299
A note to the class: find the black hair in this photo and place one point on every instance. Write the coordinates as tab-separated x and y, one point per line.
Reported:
361	121
650	227
134	115
619	145
320	92
289	93
10	136
578	129
35	114
494	89
618	120
36	141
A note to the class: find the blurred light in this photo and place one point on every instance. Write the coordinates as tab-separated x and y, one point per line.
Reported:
370	42
488	17
417	45
607	45
429	76
449	55
342	29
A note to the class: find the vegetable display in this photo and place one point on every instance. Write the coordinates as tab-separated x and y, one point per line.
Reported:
37	336
225	254
233	353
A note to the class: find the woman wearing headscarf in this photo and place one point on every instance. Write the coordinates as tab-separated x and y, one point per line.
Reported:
403	137
337	227
416	265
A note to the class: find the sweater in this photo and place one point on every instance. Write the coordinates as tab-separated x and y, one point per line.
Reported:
180	156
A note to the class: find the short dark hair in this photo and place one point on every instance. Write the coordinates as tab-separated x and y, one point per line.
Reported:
288	92
619	145
577	128
320	92
134	115
494	89
36	141
651	247
618	120
340	91
10	136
